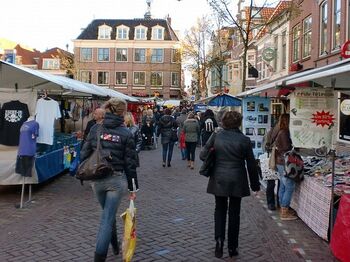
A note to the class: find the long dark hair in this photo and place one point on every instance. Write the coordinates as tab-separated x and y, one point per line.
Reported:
283	122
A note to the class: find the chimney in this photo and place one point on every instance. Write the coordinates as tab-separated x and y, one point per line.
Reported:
169	19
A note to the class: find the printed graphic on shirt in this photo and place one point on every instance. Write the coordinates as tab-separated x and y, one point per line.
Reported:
13	116
110	137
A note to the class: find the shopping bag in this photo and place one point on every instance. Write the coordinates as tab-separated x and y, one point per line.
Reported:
129	238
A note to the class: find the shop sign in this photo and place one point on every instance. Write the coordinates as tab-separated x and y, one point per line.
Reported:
345	50
323	118
269	54
345	107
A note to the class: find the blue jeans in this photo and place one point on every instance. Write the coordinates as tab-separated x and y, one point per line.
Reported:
183	153
109	192
168	151
287	187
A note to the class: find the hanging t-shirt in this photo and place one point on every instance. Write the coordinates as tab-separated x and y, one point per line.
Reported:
46	113
13	114
27	138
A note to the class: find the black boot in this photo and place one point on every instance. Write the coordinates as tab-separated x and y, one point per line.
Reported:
219	248
115	245
232	252
99	258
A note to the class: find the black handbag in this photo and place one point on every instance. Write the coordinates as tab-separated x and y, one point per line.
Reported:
96	166
208	164
174	137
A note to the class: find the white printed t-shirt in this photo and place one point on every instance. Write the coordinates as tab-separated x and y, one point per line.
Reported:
46	113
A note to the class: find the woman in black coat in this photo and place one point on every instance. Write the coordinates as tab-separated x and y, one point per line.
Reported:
229	181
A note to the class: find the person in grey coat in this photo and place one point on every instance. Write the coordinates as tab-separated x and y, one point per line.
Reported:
191	129
234	162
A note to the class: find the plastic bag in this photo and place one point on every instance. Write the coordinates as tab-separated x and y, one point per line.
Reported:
129	238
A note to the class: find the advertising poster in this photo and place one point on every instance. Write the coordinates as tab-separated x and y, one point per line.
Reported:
312	117
256	121
344	118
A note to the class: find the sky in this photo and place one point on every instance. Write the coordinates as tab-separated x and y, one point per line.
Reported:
44	24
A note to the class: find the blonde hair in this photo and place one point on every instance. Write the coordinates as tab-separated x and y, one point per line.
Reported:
116	106
149	112
129	119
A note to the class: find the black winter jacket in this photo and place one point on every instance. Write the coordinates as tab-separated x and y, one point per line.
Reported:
117	143
166	123
233	158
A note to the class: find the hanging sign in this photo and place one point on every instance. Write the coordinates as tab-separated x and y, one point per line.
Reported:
345	50
269	54
312	117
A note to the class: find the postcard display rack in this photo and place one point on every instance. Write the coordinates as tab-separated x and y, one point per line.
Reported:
256	121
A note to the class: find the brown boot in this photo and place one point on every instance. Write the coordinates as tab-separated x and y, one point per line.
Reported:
192	165
286	215
189	163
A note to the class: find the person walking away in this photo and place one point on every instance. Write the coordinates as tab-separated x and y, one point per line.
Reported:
167	125
208	124
191	131
234	162
98	116
283	144
180	123
119	142
135	130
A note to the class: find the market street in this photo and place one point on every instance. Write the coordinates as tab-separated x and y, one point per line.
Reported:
174	221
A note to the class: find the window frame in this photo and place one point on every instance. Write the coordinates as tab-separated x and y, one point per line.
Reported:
107	78
133	78
177	80
175	52
335	13
103	29
120	32
137	28
90	76
98	55
155	33
51	64
82	54
121	55
156	56
145	52
159	73
323	37
284	50
296	43
126	78
307	35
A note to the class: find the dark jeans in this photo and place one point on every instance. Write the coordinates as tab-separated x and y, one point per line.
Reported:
168	151
270	192
234	210
191	150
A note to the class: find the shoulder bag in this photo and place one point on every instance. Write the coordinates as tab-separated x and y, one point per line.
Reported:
208	164
95	166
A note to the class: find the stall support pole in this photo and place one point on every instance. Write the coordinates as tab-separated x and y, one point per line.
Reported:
22	193
333	154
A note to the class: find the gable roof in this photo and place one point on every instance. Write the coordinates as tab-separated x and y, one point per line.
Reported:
91	31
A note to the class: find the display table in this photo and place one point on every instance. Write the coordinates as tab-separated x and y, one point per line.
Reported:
312	201
340	239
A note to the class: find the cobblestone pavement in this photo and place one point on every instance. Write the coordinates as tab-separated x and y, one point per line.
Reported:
175	222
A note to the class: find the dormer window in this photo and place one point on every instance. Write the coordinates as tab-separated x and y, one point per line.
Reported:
123	32
104	32
140	33
157	33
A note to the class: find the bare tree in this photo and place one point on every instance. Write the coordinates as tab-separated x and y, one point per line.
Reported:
247	25
195	50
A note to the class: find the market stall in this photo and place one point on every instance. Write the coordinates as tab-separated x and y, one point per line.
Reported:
221	102
19	91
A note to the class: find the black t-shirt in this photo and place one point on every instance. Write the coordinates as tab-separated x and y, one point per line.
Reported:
12	115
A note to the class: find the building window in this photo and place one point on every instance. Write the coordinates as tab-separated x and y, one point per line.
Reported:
275	40
139	78
140	33
284	50
214	78
121	54
85	76
307	36
122	32
121	78
51	63
174	79
157	33
156	78
296	43
175	55
102	78
229	73
103	54
157	55
235	73
336	24
104	32
85	54
323	27
140	55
